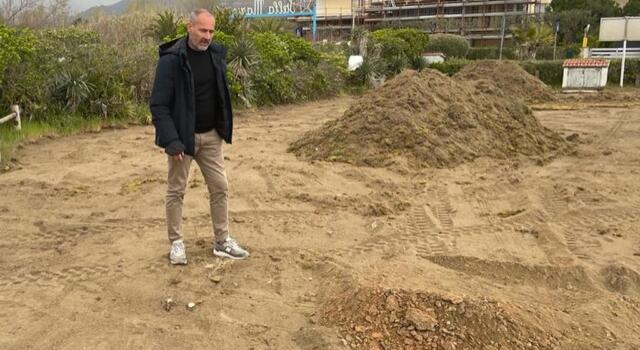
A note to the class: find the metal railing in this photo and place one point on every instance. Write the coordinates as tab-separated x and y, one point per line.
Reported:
615	52
15	114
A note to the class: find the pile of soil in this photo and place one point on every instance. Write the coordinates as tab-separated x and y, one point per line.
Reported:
431	120
509	77
398	319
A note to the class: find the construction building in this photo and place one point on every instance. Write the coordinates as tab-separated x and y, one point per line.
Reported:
481	21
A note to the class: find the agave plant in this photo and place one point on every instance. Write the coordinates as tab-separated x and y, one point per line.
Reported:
164	25
242	57
72	89
371	72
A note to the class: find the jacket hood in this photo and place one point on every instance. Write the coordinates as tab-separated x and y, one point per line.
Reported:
173	47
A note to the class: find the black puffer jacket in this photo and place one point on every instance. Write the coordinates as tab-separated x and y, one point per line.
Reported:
173	98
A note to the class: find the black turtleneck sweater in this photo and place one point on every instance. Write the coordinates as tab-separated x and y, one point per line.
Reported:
206	90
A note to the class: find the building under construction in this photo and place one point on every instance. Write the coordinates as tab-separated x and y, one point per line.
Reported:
479	21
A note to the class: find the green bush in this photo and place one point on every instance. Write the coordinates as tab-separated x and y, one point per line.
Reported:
334	68
70	70
453	46
273	85
631	72
223	39
491	53
562	52
290	69
272	79
450	67
272	49
300	49
415	41
550	72
16	45
399	48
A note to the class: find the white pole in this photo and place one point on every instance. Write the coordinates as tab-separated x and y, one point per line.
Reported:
504	23
15	114
624	51
16	110
353	18
624	58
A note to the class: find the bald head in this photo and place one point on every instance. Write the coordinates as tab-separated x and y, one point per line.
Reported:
200	28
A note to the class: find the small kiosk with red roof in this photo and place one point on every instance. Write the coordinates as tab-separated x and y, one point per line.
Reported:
585	74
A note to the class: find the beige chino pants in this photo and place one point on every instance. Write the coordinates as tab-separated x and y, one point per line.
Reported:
210	159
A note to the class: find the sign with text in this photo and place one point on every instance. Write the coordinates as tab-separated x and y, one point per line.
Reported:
272	8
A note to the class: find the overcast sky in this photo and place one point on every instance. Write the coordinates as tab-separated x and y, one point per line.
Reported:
81	5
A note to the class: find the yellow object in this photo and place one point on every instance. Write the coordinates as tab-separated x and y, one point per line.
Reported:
585	41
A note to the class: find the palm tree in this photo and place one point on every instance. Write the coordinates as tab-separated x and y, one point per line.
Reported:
164	25
532	36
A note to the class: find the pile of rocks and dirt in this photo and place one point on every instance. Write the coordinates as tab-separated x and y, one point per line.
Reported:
370	318
509	77
430	120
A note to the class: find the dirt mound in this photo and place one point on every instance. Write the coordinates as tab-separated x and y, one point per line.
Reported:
432	120
552	277
398	319
610	95
508	76
618	278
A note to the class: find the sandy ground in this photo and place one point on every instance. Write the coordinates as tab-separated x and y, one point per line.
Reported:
83	248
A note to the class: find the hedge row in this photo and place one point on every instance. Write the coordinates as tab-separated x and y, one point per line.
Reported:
551	72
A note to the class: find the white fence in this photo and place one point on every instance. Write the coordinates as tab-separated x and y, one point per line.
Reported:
615	52
15	114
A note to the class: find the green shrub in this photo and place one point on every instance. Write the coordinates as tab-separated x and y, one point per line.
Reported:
631	72
273	85
550	72
229	21
272	49
399	48
70	70
368	72
450	67
414	41
562	52
271	79
290	69
16	46
223	39
453	46
300	49
491	53
334	67
32	82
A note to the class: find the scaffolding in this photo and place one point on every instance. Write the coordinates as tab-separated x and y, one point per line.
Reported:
480	21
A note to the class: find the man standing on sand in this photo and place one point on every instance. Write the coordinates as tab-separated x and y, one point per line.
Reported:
191	112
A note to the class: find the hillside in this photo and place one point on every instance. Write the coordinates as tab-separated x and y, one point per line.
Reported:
122	6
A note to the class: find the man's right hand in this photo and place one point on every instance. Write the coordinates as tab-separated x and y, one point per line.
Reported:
176	150
179	157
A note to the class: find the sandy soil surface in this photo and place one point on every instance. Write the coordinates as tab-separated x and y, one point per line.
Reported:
488	255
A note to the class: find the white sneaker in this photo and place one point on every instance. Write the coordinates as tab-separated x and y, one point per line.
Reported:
178	255
230	249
